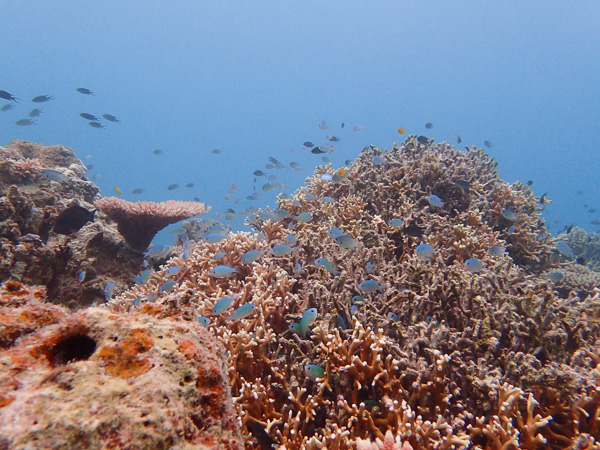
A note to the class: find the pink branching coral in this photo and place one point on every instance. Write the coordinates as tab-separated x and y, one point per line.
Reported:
138	222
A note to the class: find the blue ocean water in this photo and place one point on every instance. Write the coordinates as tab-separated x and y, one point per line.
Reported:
255	79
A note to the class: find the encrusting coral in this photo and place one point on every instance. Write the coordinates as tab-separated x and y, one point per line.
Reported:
138	222
443	353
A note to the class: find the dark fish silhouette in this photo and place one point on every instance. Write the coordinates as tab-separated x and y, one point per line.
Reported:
429	125
42	98
318	151
423	140
85	91
72	219
87	116
111	118
6	96
463	184
413	230
264	440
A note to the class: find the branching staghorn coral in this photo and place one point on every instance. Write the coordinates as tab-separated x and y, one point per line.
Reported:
463	361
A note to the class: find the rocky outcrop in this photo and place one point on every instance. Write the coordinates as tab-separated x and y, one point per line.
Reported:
96	379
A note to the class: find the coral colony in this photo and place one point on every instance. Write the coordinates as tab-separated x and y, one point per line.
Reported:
413	301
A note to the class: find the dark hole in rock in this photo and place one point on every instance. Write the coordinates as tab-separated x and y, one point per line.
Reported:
73	348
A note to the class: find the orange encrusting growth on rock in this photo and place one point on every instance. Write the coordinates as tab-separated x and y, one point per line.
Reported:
123	359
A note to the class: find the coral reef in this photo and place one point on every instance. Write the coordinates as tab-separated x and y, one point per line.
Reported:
95	379
37	184
439	355
431	324
138	222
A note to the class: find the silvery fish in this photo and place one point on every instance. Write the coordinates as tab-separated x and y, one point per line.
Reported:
223	271
243	311
425	251
322	262
370	286
346	241
223	305
473	265
251	255
309	316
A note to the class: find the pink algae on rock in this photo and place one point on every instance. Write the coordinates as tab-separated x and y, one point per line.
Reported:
96	379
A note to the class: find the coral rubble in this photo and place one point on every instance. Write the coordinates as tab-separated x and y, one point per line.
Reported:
95	379
470	345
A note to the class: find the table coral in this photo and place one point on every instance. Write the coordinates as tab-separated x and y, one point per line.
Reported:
138	222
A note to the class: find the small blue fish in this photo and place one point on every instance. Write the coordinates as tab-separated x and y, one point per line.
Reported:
378	160
555	277
251	256
393	317
109	289
509	214
81	276
368	267
497	250
326	177
425	251
335	232
223	271
223	305
167	286
314	372
354	310
243	311
473	265
280	214
54	175
304	217
136	301
512	229
204	321
328	200
565	249
370	286
172	270
213	238
396	223
144	276
357	298
297	269
291	240
219	256
295	328
347	242
341	322
309	316
309	197
322	262
435	201
281	250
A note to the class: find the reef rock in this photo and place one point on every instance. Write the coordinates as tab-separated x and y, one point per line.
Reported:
31	201
96	379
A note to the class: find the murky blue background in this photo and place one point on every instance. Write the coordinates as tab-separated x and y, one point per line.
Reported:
254	79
